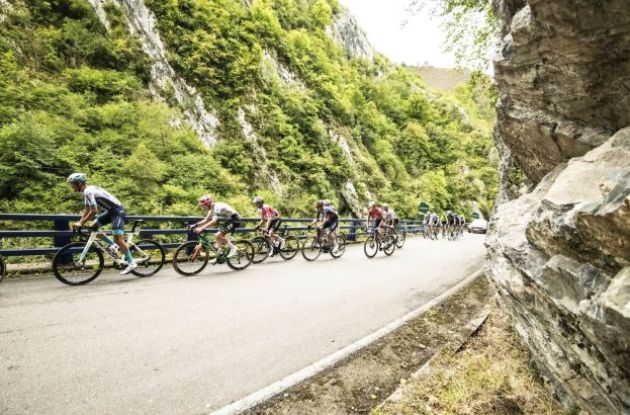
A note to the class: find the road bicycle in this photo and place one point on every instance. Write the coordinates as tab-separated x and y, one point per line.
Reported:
265	246
386	242
313	247
81	262
191	257
3	268
399	235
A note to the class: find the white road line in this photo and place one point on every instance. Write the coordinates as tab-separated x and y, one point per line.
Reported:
329	361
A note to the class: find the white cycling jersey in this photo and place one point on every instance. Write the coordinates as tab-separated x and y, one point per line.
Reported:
97	196
222	211
390	215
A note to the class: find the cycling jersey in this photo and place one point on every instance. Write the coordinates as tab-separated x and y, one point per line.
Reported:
97	196
268	212
376	213
435	220
331	218
390	215
223	211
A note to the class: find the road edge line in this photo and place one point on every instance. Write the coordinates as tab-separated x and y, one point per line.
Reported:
329	361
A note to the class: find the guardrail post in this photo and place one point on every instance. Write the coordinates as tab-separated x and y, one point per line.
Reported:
353	230
61	240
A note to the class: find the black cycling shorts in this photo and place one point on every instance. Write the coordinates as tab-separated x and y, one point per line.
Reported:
230	224
274	225
331	225
377	222
116	217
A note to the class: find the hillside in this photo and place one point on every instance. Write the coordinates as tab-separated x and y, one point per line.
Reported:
162	101
441	78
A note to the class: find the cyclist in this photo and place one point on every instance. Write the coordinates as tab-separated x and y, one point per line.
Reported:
435	223
326	221
270	218
330	223
225	216
113	212
376	213
391	219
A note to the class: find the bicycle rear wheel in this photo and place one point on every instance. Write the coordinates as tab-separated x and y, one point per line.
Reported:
290	248
341	242
149	255
370	247
311	249
262	249
245	255
190	258
69	270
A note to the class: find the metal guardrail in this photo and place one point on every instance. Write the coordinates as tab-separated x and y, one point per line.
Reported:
61	234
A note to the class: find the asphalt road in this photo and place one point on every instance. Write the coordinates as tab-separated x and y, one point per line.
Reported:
175	345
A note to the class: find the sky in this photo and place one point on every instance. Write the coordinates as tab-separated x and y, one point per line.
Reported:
419	41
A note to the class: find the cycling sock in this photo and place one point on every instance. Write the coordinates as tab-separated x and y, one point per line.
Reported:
107	240
128	257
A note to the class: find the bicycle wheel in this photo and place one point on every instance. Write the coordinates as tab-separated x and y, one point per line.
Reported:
245	255
69	270
290	248
389	245
149	255
341	242
311	249
3	268
190	258
262	249
400	239
370	247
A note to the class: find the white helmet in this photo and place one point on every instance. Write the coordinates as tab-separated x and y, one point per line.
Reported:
385	206
258	200
371	205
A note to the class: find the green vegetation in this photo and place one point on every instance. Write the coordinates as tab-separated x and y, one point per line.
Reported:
76	98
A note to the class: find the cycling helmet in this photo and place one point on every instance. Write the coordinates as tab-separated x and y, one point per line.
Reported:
76	178
326	202
371	205
258	200
319	203
385	206
206	201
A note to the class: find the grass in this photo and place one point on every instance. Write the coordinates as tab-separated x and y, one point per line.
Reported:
491	375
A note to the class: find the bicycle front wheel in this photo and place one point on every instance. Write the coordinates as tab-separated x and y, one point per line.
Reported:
400	240
244	256
190	258
389	245
290	248
370	247
149	255
70	269
262	249
311	249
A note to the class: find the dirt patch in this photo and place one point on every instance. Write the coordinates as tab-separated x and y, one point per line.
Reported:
359	383
491	375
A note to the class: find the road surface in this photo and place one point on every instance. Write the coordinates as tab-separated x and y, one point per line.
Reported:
189	345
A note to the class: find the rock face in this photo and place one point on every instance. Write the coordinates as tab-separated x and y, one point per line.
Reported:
560	253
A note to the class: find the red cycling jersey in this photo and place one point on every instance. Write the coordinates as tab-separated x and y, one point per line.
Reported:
268	212
376	213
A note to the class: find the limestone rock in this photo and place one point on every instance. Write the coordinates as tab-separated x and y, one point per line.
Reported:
559	248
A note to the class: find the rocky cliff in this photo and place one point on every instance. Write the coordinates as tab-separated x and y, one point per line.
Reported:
559	245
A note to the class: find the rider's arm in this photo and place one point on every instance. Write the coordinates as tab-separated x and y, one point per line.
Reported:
204	224
88	213
205	221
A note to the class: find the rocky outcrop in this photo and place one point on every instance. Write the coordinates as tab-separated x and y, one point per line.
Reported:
165	84
346	30
559	253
